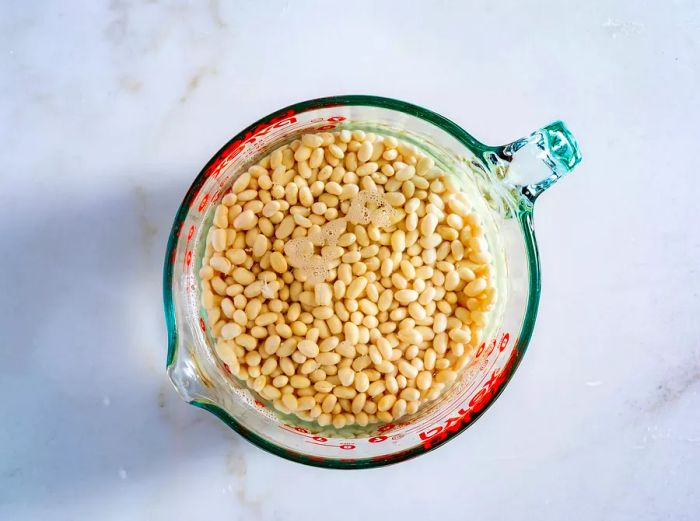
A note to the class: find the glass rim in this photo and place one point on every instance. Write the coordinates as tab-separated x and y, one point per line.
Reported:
523	339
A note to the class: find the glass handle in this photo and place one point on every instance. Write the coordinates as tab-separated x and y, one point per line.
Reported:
536	162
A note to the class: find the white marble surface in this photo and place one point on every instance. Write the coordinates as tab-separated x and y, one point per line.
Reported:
109	109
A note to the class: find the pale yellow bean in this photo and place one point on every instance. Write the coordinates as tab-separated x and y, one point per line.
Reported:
404	296
299	381
344	392
346	375
246	220
410	394
446	377
308	348
460	335
218	239
312	140
442	363
230	331
386	402
289	401
323	294
405	173
407	370
385	366
323	386
328	358
410	336
361	382
384	348
365	151
399	408
336	151
358	403
475	287
398	241
452	281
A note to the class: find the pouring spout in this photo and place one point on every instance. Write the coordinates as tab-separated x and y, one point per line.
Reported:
538	161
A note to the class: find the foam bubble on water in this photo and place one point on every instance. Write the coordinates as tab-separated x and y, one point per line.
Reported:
332	231
346	344
299	252
267	290
370	207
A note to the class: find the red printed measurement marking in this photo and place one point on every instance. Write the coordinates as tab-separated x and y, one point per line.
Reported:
303	432
343	446
315	439
203	203
188	254
504	341
216	194
295	429
173	254
386	427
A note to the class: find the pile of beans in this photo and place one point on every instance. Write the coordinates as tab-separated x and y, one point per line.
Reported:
338	313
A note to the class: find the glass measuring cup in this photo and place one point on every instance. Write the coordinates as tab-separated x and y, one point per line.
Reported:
502	182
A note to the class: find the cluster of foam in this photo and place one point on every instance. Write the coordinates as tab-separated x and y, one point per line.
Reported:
329	233
370	207
366	207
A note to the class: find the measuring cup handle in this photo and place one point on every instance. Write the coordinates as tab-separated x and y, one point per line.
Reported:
539	160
